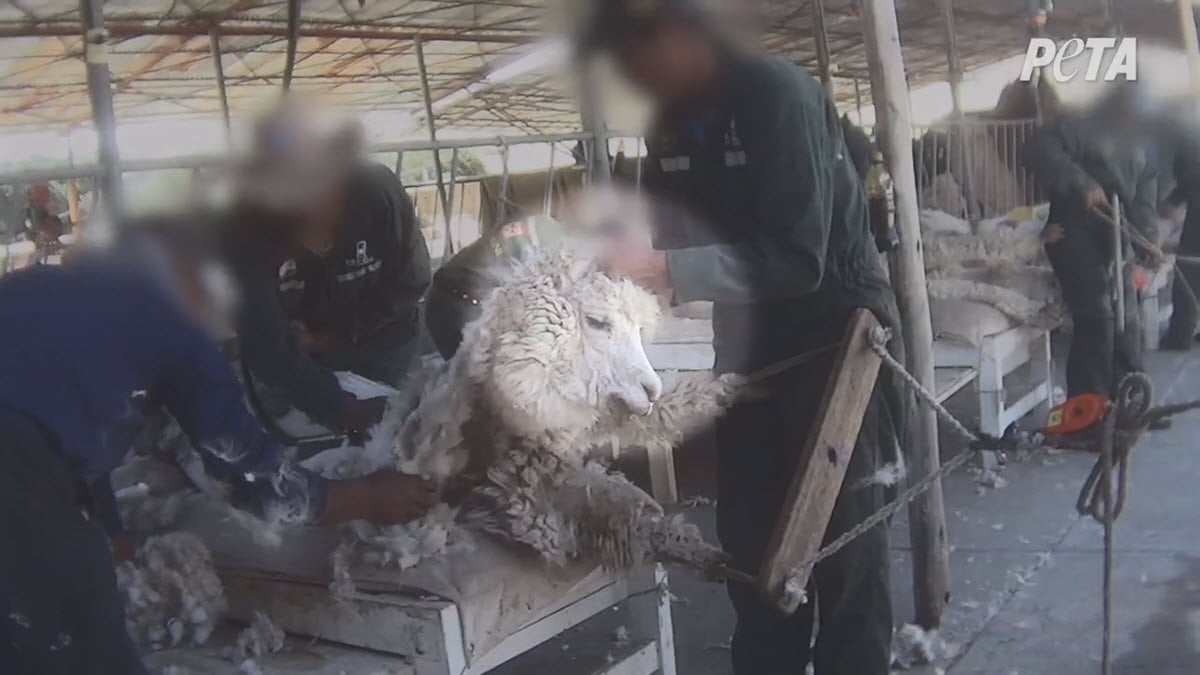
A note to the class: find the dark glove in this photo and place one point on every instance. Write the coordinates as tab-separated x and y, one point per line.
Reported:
362	414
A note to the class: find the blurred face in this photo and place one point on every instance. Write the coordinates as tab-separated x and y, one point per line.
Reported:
670	61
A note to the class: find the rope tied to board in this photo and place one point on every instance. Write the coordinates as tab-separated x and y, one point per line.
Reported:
879	339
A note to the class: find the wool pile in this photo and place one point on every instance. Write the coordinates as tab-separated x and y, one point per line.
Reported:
263	636
172	593
999	263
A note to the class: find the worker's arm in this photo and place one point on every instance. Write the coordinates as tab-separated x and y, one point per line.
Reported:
790	152
197	386
1051	154
274	355
1142	210
406	268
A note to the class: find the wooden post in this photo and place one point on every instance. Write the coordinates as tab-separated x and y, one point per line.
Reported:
437	154
927	518
955	81
591	114
214	46
99	81
1191	47
822	467
858	100
73	205
293	39
825	70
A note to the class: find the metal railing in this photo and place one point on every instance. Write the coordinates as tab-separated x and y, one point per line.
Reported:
494	199
974	168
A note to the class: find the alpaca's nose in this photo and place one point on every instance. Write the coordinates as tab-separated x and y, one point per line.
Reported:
653	388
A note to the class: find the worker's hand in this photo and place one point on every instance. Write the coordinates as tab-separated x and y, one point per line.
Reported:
1095	198
399	497
643	265
1150	258
1053	233
384	498
313	342
362	414
123	546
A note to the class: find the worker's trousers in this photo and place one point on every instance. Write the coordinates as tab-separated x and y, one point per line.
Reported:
758	444
1100	353
1185	315
60	611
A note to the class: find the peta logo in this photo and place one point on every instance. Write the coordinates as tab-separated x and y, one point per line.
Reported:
1065	60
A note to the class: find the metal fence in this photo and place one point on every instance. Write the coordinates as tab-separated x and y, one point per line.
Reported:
974	168
453	211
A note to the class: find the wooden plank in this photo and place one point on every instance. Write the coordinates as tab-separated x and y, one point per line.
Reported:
823	461
417	629
949	381
565	618
643	661
661	461
650	620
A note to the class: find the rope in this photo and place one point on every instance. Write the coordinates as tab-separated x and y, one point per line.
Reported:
879	340
1143	242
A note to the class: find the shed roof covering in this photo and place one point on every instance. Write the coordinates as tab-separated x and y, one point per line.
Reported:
361	53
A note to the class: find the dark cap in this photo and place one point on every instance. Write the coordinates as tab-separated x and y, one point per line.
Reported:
609	20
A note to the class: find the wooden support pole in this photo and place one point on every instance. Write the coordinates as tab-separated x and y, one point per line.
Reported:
1191	46
927	518
293	39
73	213
955	80
858	100
591	114
427	99
821	38
822	466
99	82
214	45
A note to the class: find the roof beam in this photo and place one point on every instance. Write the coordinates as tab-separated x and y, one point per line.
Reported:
127	29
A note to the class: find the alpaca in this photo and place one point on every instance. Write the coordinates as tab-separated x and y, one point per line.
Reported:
553	367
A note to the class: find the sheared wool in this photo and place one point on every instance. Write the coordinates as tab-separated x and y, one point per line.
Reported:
1003	247
171	592
262	636
913	646
1013	304
553	367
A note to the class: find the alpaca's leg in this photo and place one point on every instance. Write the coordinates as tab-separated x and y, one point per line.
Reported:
695	399
621	526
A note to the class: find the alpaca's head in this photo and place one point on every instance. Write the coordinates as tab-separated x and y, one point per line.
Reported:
561	344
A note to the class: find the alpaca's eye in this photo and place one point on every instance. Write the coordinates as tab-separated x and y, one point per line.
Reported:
598	323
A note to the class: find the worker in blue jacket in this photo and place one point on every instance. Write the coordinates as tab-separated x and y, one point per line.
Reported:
86	351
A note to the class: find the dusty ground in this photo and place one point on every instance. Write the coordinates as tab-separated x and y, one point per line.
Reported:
1026	571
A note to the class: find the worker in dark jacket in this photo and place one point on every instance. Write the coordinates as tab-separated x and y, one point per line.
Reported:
1181	143
1084	160
126	335
332	266
464	280
760	211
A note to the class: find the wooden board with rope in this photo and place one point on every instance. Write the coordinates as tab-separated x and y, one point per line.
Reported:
822	467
